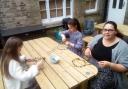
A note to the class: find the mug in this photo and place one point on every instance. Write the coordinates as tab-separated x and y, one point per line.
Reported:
54	58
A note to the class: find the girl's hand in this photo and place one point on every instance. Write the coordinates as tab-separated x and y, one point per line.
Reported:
29	59
67	43
63	38
104	64
40	64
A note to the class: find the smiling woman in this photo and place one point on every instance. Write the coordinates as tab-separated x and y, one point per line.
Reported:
107	53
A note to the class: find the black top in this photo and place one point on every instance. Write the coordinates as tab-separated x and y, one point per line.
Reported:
101	52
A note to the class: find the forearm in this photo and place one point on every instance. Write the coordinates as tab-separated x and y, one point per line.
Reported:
88	52
79	44
117	67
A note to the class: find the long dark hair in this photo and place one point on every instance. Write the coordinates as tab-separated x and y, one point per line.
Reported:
10	51
119	34
65	23
75	22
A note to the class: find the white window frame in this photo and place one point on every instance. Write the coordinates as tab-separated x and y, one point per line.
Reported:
55	20
90	11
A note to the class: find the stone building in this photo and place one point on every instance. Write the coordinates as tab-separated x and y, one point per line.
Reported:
19	13
22	15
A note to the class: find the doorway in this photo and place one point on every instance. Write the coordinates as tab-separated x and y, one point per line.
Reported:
116	10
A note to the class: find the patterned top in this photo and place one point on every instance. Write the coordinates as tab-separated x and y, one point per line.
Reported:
76	39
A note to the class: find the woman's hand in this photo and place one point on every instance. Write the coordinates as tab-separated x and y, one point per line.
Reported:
104	64
88	52
113	66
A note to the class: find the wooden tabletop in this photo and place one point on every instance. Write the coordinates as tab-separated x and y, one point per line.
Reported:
1	81
87	39
122	28
63	75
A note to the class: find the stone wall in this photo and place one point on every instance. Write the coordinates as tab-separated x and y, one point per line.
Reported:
22	13
79	10
19	13
80	7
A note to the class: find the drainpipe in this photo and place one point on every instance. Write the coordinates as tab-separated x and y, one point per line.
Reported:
105	11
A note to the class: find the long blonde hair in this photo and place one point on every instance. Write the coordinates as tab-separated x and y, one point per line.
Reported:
10	51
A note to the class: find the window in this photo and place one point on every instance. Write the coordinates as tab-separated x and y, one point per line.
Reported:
55	10
114	3
91	6
121	4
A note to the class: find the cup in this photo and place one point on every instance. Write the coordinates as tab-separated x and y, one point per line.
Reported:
54	58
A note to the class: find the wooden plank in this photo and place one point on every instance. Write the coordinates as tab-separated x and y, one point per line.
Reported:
42	79
87	39
69	68
1	81
87	71
51	75
59	70
67	56
63	75
72	71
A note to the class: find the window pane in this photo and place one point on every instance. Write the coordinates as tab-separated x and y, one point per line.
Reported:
68	7
42	9
59	12
42	5
59	8
59	3
90	4
68	11
67	3
114	3
52	4
93	3
43	14
121	4
87	5
53	13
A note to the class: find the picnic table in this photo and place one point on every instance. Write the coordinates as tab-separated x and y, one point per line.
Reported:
71	72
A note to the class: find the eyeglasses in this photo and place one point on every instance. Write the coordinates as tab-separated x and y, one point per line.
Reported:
109	30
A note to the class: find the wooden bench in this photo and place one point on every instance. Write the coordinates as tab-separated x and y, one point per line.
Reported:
87	39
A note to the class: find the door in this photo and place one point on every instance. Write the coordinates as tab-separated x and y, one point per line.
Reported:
116	10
